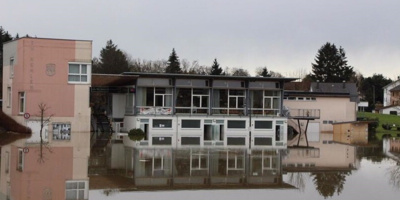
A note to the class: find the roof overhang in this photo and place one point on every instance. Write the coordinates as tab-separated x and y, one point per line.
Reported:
215	77
104	80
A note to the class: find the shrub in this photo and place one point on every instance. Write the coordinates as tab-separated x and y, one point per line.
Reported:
386	126
136	134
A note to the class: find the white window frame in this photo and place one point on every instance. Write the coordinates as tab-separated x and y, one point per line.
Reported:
11	67
200	96
20	159
236	98
61	131
167	96
21	102
198	156
8	97
85	189
80	74
235	158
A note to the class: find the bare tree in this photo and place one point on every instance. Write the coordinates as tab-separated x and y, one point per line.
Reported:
239	72
44	121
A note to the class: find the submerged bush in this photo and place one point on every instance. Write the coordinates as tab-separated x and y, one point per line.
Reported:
136	134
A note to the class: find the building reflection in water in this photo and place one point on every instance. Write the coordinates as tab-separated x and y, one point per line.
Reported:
203	167
328	164
391	149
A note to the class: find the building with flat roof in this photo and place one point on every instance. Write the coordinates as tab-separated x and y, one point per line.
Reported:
54	76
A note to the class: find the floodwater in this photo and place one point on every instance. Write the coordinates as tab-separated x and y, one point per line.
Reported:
334	171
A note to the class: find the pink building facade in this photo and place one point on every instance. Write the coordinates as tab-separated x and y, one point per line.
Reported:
55	73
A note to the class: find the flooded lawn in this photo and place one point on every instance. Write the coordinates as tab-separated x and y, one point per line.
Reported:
347	172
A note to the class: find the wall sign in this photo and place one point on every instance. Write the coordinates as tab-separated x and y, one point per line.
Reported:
27	115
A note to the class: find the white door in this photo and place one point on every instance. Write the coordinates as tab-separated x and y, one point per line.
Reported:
313	132
118	105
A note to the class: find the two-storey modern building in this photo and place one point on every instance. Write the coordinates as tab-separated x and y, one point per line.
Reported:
181	110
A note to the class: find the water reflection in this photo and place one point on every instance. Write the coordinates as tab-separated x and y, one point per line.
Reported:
391	149
297	179
205	167
328	170
329	183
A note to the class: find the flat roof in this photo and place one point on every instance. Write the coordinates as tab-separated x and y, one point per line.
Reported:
197	76
316	94
103	80
38	38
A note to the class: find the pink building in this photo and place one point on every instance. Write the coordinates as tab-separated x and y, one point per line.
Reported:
55	73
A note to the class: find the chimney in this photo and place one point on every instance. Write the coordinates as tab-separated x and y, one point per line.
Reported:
344	84
317	84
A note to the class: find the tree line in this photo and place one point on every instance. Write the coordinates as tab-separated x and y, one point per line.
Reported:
112	60
330	65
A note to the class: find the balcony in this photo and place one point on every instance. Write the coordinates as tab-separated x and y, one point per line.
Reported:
304	114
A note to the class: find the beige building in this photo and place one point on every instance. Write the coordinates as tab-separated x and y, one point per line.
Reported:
335	102
325	155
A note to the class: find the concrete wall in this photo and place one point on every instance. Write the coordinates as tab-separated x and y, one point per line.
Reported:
176	132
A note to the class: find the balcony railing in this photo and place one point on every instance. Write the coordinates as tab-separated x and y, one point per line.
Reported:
304	113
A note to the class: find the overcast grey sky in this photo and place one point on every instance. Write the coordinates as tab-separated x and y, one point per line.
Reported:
283	35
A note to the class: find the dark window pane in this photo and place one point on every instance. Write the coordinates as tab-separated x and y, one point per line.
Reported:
236	124
263	124
162	123
190	123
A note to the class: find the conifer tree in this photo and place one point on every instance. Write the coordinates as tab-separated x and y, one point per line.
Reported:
215	69
174	65
331	65
112	60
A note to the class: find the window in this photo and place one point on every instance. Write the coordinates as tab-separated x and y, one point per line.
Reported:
162	123
8	97
79	73
237	124
235	160
263	124
21	96
160	97
61	131
190	123
192	100
199	161
20	164
76	190
236	98
12	67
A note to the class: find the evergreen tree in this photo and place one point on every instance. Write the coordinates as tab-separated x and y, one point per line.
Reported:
174	65
4	37
372	89
331	65
112	60
215	69
263	72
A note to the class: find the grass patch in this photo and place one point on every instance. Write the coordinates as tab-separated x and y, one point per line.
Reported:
383	119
